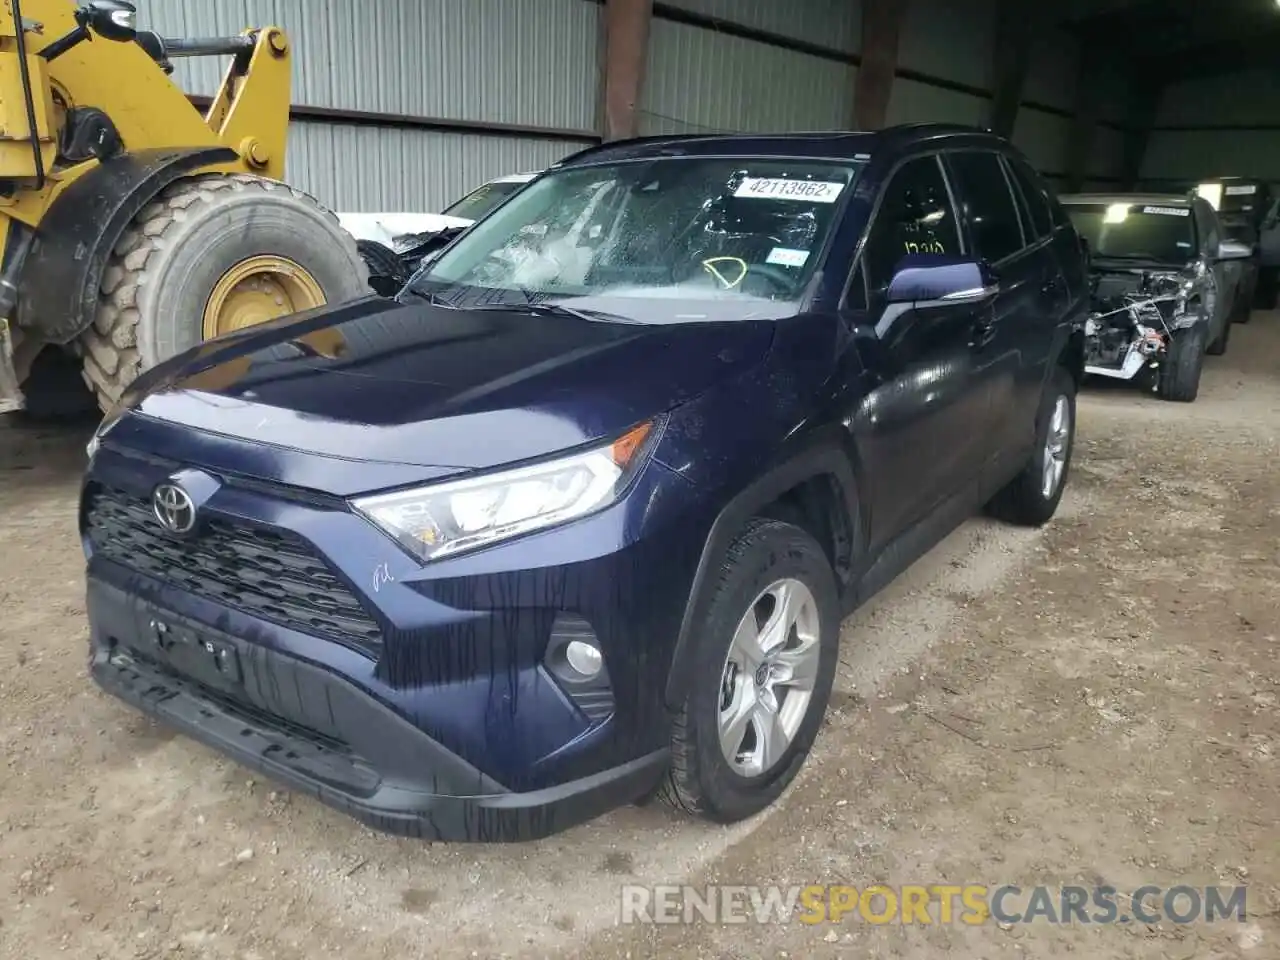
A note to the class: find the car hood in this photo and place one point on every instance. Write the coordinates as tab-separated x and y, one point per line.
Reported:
387	228
419	385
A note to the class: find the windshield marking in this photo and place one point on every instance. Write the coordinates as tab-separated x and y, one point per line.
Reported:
785	188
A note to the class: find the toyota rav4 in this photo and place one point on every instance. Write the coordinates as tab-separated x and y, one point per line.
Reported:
573	520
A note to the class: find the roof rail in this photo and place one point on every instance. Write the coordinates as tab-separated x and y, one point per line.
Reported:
654	138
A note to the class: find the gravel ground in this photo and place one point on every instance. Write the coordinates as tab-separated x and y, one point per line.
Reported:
1095	702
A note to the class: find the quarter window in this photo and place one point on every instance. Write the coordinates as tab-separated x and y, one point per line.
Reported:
987	203
915	216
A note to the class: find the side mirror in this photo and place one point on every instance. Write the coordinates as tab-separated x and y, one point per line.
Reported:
112	19
926	277
1234	250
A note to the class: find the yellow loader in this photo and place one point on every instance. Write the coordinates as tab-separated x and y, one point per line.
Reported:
131	226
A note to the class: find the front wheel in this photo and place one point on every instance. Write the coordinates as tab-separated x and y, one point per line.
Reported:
760	675
1183	362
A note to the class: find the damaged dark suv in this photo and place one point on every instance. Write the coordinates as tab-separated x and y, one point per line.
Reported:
1160	290
573	520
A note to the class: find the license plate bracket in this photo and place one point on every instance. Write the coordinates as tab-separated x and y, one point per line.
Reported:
201	657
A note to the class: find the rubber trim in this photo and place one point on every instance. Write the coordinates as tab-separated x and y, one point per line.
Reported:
815	462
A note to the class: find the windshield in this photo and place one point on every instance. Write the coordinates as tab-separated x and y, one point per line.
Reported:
1136	231
620	238
483	199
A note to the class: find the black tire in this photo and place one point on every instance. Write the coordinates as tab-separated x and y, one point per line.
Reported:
1242	308
1268	288
1023	500
701	780
387	274
1179	378
161	273
1219	346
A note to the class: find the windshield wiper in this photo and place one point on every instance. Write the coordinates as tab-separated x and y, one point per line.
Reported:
430	296
1129	256
556	309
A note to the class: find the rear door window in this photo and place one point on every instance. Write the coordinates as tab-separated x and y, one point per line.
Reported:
1035	196
986	204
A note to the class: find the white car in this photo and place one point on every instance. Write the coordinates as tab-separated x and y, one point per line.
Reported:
387	228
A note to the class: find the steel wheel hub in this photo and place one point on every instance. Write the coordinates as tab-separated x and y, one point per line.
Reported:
768	677
257	290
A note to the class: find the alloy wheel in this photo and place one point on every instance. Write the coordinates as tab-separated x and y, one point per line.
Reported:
1055	447
769	676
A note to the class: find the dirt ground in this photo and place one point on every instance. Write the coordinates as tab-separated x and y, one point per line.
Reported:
1092	703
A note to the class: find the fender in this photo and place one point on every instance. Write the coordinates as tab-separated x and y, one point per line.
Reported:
814	461
58	290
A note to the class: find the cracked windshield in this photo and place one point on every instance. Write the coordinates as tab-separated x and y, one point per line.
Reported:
614	241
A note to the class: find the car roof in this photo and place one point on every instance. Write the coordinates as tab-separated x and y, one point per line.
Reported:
516	177
1160	199
822	144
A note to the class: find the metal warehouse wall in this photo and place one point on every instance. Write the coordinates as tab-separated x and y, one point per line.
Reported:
533	66
528	63
1217	126
791	65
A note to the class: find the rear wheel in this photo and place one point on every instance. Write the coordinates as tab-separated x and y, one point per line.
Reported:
760	675
1180	372
210	255
1031	498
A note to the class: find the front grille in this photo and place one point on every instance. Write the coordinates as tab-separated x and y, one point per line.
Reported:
267	573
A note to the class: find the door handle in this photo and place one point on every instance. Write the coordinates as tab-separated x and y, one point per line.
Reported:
983	331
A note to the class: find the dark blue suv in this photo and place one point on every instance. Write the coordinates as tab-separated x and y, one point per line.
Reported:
573	520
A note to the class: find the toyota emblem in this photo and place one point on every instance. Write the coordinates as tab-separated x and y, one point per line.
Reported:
174	508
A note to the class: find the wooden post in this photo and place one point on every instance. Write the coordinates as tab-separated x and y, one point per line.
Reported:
626	26
1011	61
881	29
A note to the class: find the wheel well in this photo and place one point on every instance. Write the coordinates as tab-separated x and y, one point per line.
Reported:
1072	357
817	507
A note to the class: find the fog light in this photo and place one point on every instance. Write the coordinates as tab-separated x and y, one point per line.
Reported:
584	658
575	659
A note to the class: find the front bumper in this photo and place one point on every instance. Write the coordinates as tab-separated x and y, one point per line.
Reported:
321	735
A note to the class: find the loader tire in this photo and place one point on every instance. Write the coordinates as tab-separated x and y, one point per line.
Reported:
196	234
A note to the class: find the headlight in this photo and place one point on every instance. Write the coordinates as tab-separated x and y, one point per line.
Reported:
448	518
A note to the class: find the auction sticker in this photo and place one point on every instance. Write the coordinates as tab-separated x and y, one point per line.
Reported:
1242	191
1168	211
786	257
780	188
